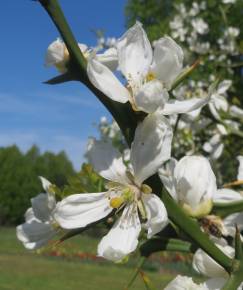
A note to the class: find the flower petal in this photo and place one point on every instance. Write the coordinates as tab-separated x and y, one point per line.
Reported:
224	86
80	210
195	181
122	239
215	283
151	96
107	161
46	184
40	207
205	265
168	60
225	195
134	53
151	146
105	81
240	168
109	58
166	174
29	215
186	106
157	217
55	53
184	283
35	234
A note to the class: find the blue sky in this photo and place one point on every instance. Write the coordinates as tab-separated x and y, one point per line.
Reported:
53	117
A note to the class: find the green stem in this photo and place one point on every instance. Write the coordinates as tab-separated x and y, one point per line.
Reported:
54	10
161	244
191	228
235	278
224	209
135	273
122	113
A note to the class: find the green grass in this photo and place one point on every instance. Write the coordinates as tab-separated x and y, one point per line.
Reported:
23	270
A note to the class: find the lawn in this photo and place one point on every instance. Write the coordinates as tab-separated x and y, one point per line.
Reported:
22	270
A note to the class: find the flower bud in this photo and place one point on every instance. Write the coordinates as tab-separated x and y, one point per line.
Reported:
57	55
195	184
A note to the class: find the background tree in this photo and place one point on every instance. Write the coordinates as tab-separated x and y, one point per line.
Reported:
19	178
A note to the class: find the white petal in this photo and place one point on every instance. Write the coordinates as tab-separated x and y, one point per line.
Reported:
214	111
151	96
157	217
29	215
215	283
134	53
107	161
225	195
224	86
35	234
166	174
184	283
80	210
231	220
168	60
109	58
181	107
122	239
151	146
205	265
220	103
240	168
195	180
40	207
83	47
55	53
105	81
46	184
235	111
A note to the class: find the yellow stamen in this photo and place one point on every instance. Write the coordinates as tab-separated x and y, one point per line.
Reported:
116	202
150	77
146	189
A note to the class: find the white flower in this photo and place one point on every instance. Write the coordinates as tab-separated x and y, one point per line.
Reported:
57	55
217	284
235	111
218	101
39	226
184	283
228	1
206	266
215	146
240	168
226	195
200	25
191	182
149	74
150	148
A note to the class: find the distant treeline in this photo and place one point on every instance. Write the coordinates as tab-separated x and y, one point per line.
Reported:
19	178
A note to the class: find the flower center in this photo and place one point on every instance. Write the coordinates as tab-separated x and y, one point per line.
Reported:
127	194
150	77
